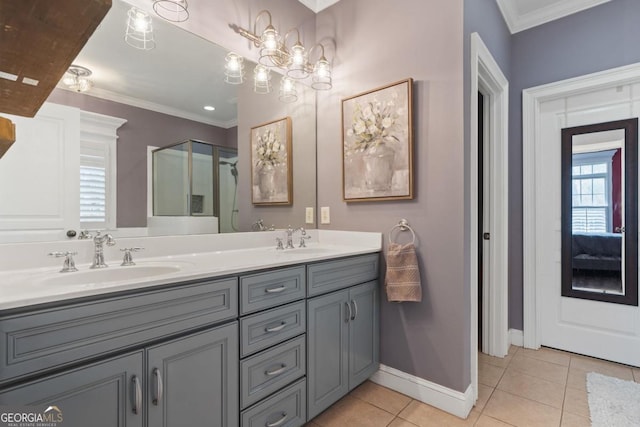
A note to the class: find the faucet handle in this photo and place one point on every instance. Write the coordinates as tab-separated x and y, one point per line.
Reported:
84	235
128	259
279	246
303	237
69	264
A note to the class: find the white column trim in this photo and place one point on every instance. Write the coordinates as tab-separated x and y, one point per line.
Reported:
532	98
451	401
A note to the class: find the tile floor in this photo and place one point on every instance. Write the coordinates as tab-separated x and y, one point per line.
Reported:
527	388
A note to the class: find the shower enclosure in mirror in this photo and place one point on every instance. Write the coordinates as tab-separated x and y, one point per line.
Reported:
194	178
599	212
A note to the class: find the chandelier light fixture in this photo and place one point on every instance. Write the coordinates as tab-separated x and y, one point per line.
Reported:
288	53
288	92
233	68
172	10
77	78
261	79
139	30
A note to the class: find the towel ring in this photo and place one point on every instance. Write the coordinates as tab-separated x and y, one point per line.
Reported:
403	225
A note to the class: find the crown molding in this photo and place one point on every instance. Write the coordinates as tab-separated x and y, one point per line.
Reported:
152	106
318	5
520	22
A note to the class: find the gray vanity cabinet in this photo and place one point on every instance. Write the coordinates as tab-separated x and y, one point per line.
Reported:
105	394
342	343
192	381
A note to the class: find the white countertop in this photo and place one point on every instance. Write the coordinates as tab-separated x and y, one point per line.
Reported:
167	260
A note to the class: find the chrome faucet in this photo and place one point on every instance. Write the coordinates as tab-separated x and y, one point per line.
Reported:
99	240
259	226
291	231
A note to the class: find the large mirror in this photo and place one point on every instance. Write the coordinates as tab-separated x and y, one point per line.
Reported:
161	94
600	212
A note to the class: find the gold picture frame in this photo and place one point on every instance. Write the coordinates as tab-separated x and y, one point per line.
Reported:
377	144
271	163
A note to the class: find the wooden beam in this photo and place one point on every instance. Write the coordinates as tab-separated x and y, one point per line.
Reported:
7	135
40	39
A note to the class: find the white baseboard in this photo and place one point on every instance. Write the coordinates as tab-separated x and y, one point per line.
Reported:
516	337
451	401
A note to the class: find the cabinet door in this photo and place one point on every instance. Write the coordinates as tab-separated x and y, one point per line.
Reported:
193	381
363	333
105	394
327	347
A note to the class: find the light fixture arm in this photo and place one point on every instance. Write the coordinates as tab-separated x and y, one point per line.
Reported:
291	32
255	24
246	34
317	45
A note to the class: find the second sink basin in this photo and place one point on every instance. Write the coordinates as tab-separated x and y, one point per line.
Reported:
109	274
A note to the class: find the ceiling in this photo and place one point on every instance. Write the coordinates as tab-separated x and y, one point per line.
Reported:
179	77
521	15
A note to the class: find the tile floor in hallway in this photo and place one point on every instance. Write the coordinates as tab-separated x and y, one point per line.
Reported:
543	387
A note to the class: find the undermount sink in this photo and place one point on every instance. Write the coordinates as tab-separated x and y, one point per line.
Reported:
308	251
109	274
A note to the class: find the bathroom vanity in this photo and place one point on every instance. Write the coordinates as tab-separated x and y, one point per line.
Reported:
271	346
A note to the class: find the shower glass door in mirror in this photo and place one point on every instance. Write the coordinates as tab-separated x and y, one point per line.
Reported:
599	212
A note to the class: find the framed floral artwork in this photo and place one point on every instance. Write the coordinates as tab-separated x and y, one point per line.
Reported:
377	142
271	164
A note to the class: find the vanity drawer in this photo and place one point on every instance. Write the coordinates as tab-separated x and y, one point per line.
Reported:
268	328
266	372
284	409
48	338
329	276
266	290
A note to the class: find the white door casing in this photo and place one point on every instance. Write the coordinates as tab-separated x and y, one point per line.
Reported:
487	77
604	330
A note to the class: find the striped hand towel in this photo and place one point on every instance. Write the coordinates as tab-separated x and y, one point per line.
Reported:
403	276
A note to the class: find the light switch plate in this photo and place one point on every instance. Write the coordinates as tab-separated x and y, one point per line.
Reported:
325	215
308	215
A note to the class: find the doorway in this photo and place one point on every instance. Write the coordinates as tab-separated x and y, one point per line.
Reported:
488	307
602	325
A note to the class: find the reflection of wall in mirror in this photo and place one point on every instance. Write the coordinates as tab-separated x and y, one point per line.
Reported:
256	109
143	128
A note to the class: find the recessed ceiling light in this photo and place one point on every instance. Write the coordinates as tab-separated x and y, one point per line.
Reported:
209	108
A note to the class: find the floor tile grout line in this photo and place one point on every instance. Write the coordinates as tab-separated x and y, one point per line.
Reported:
530	400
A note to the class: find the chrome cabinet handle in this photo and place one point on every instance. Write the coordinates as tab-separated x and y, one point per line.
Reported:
278	371
275	290
276	328
159	392
355	309
277	423
137	393
349	312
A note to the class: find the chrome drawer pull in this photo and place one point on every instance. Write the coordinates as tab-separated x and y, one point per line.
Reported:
276	328
137	393
355	309
278	371
275	290
279	422
159	387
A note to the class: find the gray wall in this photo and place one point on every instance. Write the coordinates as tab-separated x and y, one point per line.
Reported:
143	128
596	39
422	39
